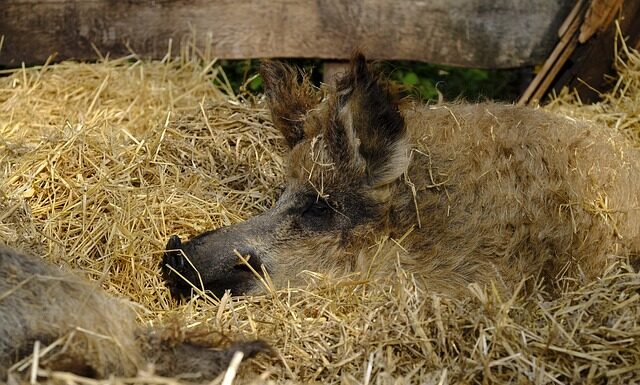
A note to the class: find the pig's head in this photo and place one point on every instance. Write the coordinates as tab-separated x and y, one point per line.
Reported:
346	153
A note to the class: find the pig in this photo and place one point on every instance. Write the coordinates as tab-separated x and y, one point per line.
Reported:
455	194
39	302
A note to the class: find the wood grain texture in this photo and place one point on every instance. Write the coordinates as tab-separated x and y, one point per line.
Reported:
473	33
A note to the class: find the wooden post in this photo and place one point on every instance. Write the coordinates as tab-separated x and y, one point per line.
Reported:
332	69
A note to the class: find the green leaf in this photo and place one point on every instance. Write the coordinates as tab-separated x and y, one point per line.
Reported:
256	83
410	79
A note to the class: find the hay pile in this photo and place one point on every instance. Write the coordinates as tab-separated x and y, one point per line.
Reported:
101	163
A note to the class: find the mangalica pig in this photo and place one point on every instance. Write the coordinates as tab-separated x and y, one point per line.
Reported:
99	334
455	194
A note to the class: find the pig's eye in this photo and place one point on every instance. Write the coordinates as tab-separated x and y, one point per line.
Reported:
317	209
316	215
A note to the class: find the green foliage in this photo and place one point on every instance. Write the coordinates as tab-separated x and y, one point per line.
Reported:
423	80
429	81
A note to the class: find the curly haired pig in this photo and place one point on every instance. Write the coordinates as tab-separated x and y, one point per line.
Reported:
456	194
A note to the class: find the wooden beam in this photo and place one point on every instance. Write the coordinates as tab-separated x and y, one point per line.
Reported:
472	33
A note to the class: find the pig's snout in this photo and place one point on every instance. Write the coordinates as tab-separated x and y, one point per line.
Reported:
174	257
209	262
175	268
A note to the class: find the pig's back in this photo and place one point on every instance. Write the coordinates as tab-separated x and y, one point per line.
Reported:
515	191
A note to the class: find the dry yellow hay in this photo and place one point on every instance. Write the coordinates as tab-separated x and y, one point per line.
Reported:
100	163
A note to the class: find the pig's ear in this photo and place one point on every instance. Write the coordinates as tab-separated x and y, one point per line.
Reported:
366	126
289	95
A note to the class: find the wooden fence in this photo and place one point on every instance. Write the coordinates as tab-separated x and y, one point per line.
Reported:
469	33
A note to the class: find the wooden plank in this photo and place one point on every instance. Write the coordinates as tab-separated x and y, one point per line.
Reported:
474	33
590	69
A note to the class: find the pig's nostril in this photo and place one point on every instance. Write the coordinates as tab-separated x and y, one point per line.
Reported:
177	260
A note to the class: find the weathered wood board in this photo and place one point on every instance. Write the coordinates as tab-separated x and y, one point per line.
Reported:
474	33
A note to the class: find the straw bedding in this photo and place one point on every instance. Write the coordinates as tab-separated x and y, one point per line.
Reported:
101	163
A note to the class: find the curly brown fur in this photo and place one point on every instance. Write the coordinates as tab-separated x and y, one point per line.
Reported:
39	302
457	194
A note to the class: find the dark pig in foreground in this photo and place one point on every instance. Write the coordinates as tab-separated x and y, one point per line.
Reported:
456	194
